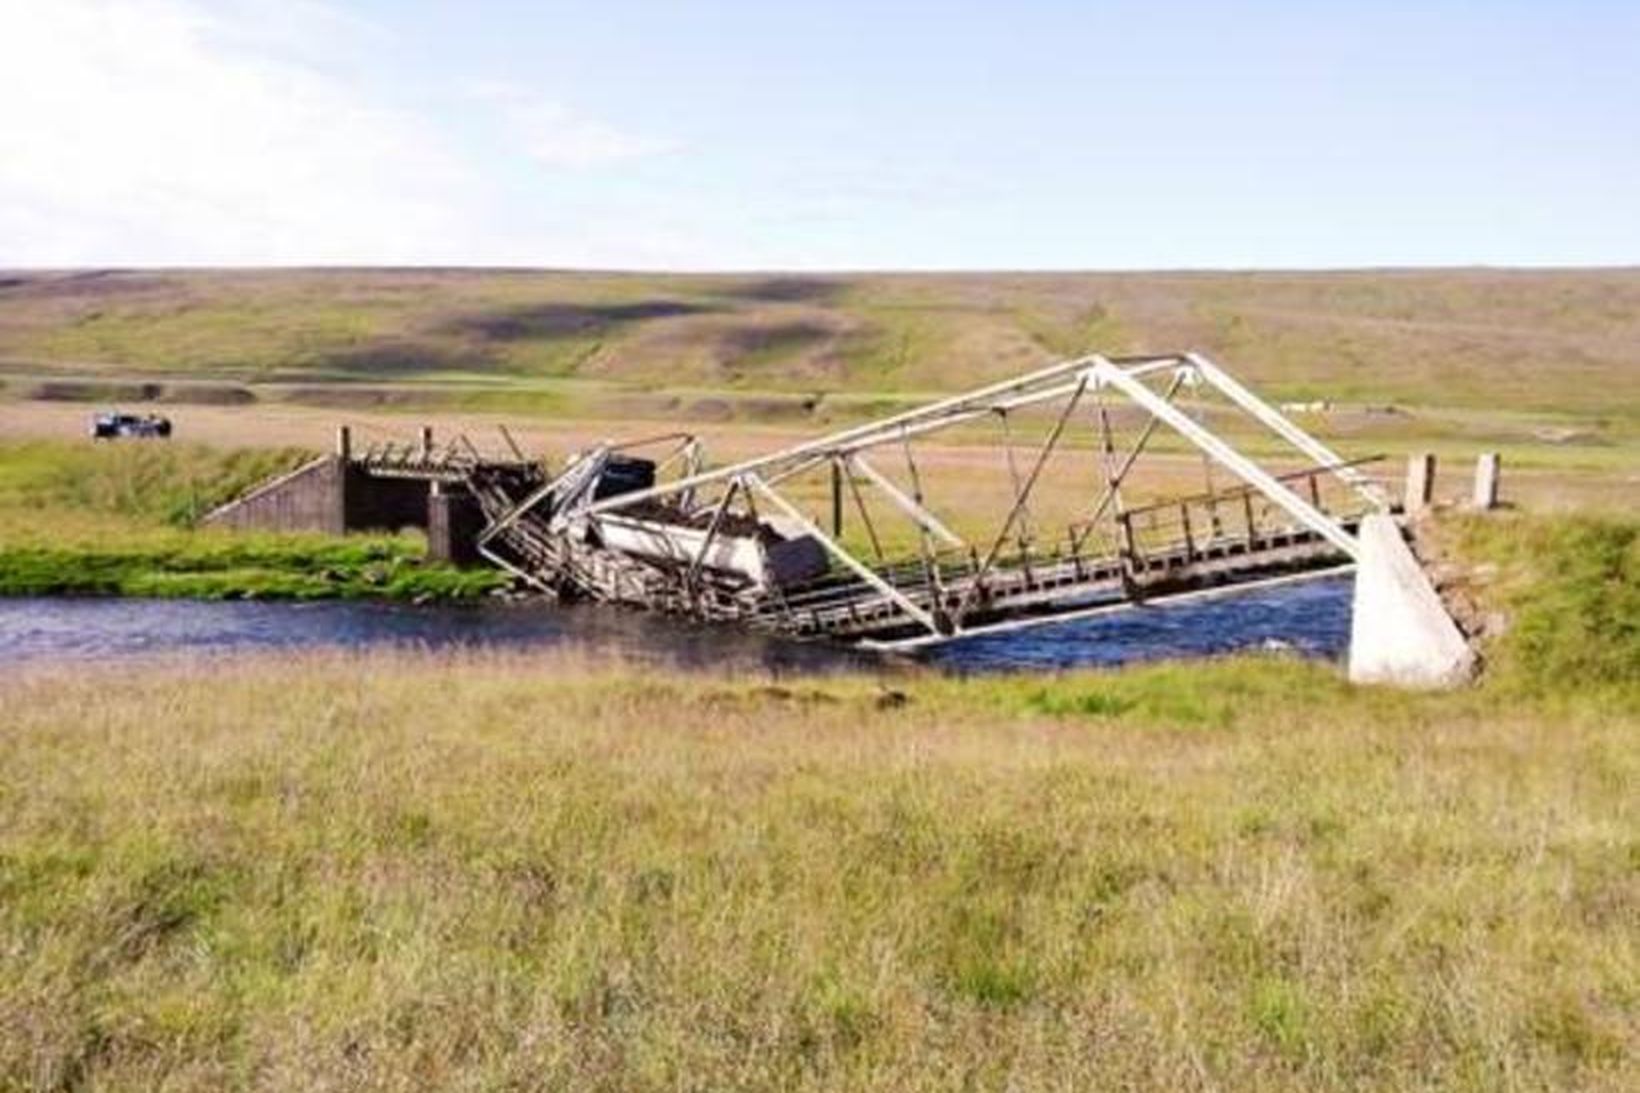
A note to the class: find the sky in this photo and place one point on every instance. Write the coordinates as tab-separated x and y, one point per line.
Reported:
833	134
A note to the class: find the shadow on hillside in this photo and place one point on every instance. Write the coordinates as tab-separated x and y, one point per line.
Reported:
567	320
774	337
86	284
397	358
787	290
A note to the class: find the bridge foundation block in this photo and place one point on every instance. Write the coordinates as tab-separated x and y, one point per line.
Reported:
454	520
1401	633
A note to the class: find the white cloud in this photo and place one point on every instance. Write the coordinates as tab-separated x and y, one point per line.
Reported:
152	132
552	134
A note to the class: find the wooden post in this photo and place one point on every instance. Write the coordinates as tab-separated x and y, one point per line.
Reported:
426	442
1486	480
836	498
344	442
1420	482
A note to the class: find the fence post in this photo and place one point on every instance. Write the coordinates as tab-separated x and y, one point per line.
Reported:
1420	482
1486	480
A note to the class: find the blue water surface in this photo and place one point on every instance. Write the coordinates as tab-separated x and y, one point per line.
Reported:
1312	619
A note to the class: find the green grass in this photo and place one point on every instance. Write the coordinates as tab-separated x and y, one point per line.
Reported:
403	871
1571	587
115	519
497	871
154	483
229	566
1528	341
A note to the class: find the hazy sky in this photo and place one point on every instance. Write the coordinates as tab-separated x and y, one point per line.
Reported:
830	134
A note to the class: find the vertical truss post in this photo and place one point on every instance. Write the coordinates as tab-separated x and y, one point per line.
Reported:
865	514
836	498
925	542
1013	473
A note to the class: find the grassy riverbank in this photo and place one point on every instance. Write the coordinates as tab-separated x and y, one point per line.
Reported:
403	871
114	519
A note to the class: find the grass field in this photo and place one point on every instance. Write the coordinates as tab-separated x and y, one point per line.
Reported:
88	519
1541	342
1539	365
404	871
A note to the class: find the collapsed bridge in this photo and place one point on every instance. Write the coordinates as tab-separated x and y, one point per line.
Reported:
1067	492
856	536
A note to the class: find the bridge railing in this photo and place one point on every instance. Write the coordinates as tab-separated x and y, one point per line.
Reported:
1196	523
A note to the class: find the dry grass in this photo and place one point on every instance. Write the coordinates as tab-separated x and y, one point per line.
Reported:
1541	366
1539	341
405	872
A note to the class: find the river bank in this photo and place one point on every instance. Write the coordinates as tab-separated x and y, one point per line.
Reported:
116	520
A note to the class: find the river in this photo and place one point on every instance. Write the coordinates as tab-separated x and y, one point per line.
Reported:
1311	619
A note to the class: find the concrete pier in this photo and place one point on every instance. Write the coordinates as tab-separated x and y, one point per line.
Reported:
454	520
1401	633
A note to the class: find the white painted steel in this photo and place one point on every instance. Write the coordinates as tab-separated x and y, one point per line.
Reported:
1238	464
861	570
919	515
1298	438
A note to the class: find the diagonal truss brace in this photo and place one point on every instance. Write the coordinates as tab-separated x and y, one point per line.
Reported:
918	514
1104	372
1266	414
864	572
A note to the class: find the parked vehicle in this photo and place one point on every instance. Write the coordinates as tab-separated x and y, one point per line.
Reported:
112	425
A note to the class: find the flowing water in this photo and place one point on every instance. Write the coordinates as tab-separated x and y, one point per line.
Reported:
1312	619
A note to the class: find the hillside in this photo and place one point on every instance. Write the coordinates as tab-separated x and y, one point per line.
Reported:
1563	342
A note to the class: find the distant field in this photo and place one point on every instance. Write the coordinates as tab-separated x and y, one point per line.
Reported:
1542	342
1541	366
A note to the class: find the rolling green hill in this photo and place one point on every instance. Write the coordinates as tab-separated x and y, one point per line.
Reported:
1550	341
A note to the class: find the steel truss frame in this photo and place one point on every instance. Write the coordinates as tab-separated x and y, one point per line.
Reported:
937	609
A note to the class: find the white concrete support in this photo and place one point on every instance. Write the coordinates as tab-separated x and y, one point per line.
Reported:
1400	632
1486	480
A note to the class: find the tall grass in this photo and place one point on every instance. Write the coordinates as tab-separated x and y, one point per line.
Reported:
114	519
1571	587
408	871
155	482
507	871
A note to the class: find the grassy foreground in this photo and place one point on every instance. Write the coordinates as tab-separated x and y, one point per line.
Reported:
403	871
113	519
